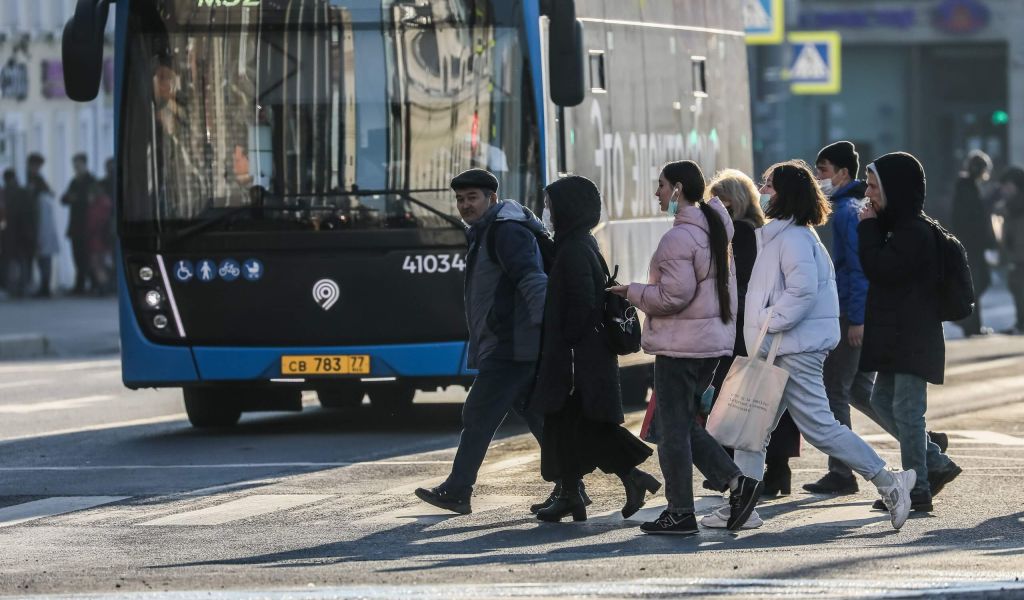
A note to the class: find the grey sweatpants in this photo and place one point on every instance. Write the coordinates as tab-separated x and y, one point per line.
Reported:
807	403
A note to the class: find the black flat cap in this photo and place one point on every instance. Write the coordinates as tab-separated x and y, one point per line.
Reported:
475	178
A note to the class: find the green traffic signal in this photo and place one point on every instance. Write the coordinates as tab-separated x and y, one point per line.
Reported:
1000	117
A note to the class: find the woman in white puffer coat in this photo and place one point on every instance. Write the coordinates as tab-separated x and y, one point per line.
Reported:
793	289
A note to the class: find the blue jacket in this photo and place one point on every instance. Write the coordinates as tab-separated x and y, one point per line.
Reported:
850	279
504	301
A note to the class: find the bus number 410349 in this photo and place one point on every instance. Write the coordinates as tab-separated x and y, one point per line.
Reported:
433	263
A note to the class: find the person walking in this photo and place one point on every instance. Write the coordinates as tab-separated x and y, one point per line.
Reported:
22	233
47	240
741	198
578	387
792	293
903	338
1011	207
504	299
690	302
972	225
78	197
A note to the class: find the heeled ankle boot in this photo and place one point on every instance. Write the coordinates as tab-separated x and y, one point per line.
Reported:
534	508
569	502
637	483
778	479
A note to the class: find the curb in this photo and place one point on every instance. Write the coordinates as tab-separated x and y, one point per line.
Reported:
23	345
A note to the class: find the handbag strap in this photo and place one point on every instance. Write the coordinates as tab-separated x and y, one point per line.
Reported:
776	340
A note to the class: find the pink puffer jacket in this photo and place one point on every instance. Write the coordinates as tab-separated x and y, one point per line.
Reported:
681	300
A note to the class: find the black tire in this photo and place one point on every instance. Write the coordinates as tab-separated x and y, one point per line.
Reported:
391	399
343	397
636	382
208	409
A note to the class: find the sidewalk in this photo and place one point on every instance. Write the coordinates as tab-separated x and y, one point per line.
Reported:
63	326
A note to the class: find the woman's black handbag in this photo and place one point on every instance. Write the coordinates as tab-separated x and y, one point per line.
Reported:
619	318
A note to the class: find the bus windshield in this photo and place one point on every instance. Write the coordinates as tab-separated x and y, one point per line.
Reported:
325	114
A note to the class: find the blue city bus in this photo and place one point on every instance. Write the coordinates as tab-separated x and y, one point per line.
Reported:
284	217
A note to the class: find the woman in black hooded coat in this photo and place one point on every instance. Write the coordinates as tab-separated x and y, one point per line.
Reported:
578	375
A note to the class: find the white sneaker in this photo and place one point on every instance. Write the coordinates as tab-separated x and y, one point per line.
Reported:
897	498
719	519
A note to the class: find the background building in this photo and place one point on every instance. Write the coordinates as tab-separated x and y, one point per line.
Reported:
35	113
936	78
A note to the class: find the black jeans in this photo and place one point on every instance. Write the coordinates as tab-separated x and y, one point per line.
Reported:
684	443
501	386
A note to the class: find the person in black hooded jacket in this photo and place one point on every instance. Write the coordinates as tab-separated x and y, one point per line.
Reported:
577	385
903	331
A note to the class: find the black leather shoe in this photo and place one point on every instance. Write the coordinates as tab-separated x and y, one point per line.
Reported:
568	502
941	440
534	508
833	484
938	478
442	498
637	484
778	479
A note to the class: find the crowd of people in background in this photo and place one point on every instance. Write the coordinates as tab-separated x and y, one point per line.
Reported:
29	236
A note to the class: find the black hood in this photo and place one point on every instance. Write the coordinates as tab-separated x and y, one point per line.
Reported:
903	185
575	206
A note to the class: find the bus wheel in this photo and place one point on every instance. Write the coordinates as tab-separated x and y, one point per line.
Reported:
391	399
206	408
342	397
636	382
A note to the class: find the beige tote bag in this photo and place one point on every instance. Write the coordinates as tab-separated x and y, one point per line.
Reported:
745	411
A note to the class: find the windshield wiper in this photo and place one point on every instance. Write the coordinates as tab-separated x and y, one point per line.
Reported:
457	223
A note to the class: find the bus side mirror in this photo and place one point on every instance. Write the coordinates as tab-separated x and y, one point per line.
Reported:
565	53
82	49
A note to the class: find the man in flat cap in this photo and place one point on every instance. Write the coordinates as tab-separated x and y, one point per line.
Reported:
504	296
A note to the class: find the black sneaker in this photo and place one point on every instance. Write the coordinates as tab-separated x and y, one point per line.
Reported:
671	524
917	504
938	478
442	498
834	484
940	439
742	501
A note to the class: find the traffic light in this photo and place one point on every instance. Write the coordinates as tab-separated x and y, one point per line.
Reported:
1000	117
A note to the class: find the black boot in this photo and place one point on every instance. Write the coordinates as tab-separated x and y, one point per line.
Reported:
637	484
568	502
534	508
778	478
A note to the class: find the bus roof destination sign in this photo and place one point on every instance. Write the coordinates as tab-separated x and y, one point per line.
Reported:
227	3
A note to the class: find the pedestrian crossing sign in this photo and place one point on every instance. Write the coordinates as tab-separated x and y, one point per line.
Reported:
814	64
764	21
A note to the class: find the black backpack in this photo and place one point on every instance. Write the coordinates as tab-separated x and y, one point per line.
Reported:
619	319
544	243
955	287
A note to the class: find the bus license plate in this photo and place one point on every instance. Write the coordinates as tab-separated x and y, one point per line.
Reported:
349	364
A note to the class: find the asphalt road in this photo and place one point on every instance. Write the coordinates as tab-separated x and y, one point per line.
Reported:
108	491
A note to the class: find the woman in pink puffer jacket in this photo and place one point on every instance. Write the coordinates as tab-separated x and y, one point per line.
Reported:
690	303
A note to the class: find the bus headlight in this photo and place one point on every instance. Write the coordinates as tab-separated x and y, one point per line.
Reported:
154	298
160	322
146	274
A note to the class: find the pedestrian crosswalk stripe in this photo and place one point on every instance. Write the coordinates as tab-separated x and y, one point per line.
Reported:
66	404
24	383
49	507
236	510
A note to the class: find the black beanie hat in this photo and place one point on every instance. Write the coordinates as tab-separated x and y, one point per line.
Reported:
841	154
475	178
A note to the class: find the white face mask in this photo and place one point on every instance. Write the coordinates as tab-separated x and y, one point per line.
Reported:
545	217
826	186
766	201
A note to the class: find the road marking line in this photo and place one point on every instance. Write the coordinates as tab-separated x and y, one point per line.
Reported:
99	427
487	469
243	508
49	507
961	437
67	404
43	367
225	466
989	365
17	384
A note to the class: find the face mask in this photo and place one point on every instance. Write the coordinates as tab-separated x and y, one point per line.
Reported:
545	218
673	207
766	201
826	186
